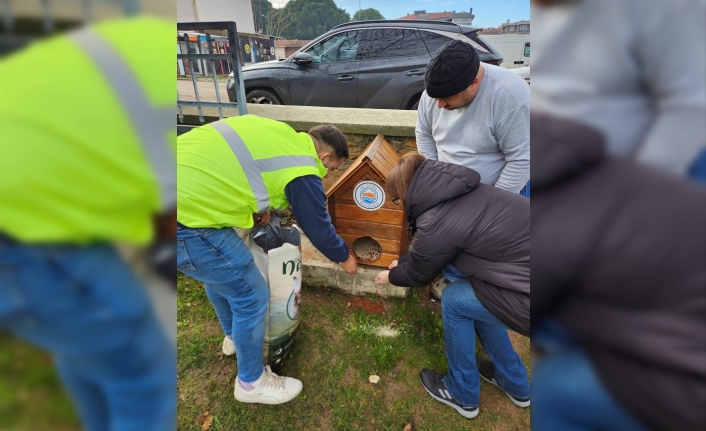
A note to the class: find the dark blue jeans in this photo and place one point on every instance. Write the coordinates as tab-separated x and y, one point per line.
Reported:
526	190
463	317
239	293
85	306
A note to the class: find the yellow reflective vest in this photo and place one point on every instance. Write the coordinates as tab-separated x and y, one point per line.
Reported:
230	169
88	134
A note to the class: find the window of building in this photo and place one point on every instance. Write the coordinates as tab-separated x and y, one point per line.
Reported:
524	28
527	49
511	29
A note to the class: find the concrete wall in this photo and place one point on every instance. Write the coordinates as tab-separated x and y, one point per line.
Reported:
359	125
239	11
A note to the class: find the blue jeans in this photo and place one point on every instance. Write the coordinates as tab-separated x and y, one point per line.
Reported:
697	171
463	315
526	190
568	394
85	306
235	287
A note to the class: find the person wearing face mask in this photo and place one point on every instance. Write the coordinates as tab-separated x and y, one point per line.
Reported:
229	174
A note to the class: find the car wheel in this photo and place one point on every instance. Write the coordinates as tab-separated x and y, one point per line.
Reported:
415	106
263	97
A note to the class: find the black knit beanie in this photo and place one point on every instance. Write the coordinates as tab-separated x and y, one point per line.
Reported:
453	68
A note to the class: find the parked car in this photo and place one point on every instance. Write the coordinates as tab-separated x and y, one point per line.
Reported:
367	64
523	72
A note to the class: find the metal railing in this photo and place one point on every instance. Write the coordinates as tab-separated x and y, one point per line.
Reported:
233	57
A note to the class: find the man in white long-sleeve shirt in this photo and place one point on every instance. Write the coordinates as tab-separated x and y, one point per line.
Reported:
475	115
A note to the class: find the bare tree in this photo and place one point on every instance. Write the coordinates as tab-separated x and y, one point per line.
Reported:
279	18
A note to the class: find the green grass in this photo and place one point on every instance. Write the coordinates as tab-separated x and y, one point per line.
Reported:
335	351
31	395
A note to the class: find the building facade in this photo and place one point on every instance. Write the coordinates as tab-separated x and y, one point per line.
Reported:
239	11
518	27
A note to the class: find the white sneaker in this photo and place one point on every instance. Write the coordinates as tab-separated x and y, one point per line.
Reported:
269	389
228	346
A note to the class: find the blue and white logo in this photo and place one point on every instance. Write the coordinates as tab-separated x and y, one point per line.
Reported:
369	195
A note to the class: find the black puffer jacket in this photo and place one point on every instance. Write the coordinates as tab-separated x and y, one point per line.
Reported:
480	229
620	261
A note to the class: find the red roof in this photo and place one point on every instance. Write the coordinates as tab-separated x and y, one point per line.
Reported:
431	15
291	43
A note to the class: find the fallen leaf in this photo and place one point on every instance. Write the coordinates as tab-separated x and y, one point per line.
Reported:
408	427
207	423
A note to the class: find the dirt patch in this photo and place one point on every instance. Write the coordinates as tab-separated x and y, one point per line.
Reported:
350	377
325	419
394	387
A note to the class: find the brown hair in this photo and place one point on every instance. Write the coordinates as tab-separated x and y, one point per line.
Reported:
400	177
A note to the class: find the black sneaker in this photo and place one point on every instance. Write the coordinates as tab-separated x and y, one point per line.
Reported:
486	369
433	383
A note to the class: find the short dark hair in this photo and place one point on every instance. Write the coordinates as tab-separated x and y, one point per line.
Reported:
332	137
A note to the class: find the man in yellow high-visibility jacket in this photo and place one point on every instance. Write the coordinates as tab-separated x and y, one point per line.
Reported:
88	150
230	173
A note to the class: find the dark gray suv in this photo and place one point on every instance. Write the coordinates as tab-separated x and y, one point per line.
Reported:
365	64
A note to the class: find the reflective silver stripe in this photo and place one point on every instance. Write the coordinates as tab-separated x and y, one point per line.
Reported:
254	168
252	171
152	125
283	162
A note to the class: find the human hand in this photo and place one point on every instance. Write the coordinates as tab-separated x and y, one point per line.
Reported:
350	266
261	219
393	264
383	277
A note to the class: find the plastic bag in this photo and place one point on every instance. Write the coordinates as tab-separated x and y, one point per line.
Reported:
277	254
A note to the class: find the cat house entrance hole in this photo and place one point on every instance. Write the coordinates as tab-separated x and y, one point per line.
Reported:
367	249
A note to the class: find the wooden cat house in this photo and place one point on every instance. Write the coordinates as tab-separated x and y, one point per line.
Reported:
364	216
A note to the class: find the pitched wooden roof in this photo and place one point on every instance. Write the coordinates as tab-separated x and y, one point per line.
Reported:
380	156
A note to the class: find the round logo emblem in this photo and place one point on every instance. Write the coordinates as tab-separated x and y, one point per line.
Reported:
369	195
272	50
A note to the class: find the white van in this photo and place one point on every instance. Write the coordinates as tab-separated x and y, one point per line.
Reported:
514	48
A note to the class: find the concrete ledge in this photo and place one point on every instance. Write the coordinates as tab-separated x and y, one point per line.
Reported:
350	120
319	272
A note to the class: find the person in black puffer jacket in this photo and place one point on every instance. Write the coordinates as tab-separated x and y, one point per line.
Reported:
619	308
484	232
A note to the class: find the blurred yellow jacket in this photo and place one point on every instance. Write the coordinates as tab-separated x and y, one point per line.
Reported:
88	134
238	166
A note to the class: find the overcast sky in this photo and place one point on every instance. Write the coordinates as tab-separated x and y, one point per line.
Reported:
489	13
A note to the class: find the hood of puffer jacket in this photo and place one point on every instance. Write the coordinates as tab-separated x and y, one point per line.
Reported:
562	148
436	182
